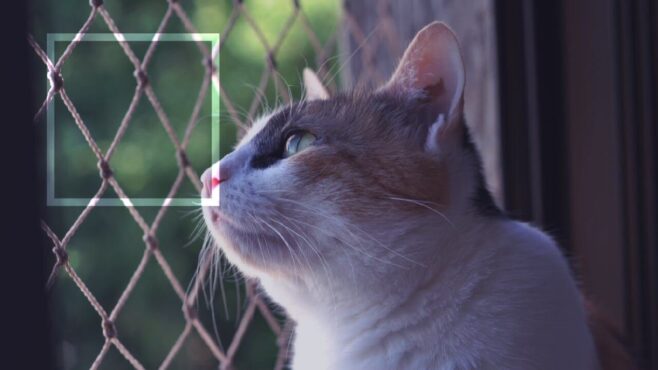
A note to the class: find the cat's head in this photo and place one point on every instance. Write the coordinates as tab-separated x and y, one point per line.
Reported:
334	183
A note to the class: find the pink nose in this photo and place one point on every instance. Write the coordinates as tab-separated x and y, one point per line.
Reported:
212	178
223	170
210	181
214	181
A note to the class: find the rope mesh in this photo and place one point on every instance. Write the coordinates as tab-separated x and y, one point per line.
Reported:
385	39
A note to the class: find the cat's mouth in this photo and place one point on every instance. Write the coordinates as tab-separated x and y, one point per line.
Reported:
218	220
214	216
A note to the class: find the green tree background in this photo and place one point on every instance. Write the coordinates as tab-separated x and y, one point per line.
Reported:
108	246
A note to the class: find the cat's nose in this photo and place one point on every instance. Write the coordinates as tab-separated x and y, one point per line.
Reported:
210	179
223	170
214	176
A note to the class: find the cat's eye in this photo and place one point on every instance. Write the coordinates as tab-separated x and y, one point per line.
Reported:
297	142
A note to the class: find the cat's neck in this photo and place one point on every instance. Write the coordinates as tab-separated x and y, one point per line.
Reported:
365	311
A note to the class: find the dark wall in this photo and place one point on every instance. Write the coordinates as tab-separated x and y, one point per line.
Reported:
23	313
578	123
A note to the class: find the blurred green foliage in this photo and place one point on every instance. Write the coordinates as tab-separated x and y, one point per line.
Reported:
108	246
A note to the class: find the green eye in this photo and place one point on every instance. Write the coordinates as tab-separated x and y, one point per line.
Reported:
298	142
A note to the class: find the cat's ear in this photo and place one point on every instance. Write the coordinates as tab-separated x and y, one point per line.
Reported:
313	86
432	69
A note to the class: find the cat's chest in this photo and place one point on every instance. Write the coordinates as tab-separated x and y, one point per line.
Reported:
362	342
490	325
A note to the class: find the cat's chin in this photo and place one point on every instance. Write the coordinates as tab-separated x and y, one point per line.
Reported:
254	253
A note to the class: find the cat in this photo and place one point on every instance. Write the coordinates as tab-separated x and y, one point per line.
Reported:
366	217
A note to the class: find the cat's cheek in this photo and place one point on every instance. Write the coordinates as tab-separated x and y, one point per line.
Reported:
316	167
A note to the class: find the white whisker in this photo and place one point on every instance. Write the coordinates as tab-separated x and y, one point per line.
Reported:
422	204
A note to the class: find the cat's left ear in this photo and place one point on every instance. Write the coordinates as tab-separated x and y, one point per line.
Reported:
432	70
314	88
